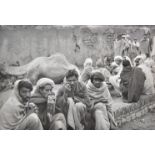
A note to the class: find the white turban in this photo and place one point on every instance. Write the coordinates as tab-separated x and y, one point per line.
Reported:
44	81
118	58
142	57
88	61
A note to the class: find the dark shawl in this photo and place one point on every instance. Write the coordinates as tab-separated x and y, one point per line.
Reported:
125	78
136	85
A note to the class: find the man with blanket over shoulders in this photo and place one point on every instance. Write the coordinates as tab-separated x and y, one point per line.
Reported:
141	82
101	101
18	113
44	98
72	100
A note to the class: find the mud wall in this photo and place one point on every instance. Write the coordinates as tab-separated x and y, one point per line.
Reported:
24	43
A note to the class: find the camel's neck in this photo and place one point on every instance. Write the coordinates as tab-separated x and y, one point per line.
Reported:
16	70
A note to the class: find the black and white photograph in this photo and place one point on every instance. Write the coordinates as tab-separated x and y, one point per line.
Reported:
84	67
77	77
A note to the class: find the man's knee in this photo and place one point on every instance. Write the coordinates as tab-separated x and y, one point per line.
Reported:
59	125
100	106
58	122
33	118
80	106
98	114
70	100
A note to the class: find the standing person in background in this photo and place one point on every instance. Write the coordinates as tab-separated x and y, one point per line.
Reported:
127	45
121	45
118	46
134	49
146	43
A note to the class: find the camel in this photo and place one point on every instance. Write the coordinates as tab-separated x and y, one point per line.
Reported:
54	67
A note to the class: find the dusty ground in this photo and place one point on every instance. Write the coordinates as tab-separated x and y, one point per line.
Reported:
147	122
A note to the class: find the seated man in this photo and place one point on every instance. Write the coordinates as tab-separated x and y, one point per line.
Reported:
141	81
150	62
44	99
107	62
72	100
101	68
115	78
85	75
125	78
101	102
17	113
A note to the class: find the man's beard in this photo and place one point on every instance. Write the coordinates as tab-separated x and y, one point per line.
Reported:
26	99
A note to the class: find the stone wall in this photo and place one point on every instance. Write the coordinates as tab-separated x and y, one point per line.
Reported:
24	43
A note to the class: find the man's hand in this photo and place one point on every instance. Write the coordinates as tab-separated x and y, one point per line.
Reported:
103	100
31	107
51	104
68	90
76	100
68	87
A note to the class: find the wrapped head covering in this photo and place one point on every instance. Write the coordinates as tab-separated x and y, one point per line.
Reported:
140	57
118	58
97	75
128	59
113	64
126	63
88	62
44	81
26	83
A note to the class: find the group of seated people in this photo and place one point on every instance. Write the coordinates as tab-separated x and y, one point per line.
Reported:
128	79
38	107
81	96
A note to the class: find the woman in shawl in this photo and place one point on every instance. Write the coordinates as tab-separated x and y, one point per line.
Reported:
101	102
85	75
18	113
149	83
141	81
44	98
125	78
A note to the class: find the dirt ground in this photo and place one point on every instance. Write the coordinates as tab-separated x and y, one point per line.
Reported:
147	122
